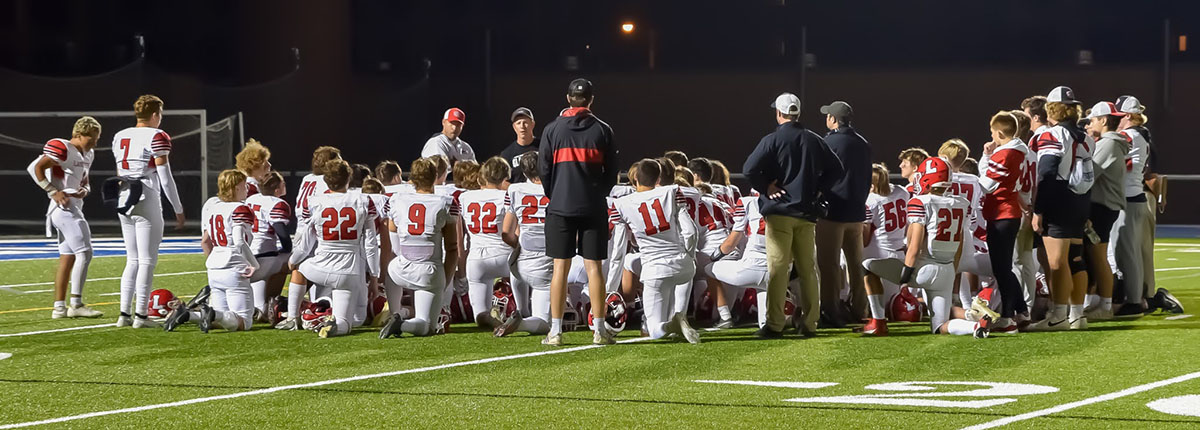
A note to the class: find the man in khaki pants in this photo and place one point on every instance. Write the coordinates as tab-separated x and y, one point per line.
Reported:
792	169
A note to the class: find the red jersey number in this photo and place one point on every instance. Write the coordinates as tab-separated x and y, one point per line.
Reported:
532	204
339	224
416	218
216	229
949	225
651	228
483	218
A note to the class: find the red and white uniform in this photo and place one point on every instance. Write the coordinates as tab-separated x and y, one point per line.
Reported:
888	217
621	190
483	218
419	220
750	271
337	235
229	226
268	210
1006	181
252	186
390	190
527	201
69	174
944	219
974	258
311	185
666	236
714	219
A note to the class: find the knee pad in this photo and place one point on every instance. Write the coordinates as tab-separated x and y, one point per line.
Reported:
1075	259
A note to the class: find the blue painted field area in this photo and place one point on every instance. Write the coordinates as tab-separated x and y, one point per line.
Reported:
48	248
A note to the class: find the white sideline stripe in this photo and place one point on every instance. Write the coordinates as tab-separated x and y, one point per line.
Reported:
1171	269
1067	406
1178	317
114	278
86	327
167	239
307	385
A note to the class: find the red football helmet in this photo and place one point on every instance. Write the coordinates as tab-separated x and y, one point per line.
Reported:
614	314
310	317
276	309
747	307
502	300
905	307
932	172
460	308
161	302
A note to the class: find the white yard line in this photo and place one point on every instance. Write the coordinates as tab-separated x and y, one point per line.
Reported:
1178	317
114	278
1088	401
86	327
1172	269
307	385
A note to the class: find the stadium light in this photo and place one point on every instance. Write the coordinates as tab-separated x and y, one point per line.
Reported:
627	27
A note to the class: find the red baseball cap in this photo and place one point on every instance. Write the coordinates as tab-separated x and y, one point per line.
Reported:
455	114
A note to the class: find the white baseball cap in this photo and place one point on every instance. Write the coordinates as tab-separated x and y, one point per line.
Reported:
1129	104
1104	109
787	104
1062	94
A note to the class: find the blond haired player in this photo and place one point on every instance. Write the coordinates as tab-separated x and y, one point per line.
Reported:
336	235
254	160
666	237
883	236
62	172
484	212
271	244
141	153
427	252
313	184
227	224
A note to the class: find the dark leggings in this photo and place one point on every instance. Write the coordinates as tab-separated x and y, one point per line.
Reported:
1001	240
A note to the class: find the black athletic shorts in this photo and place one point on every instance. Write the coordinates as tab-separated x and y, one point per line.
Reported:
1103	219
1068	216
586	236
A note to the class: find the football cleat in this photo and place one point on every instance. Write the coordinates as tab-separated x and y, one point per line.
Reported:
327	327
1167	301
982	327
553	340
443	323
680	326
58	312
1049	324
206	318
1004	326
145	323
82	311
287	324
875	327
391	328
124	321
724	324
603	337
1080	323
276	309
1099	314
201	298
160	303
981	308
177	316
509	326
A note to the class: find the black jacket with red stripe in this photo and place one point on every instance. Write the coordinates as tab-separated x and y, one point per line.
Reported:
578	163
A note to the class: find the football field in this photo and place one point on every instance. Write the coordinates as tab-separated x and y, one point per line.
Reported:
1142	373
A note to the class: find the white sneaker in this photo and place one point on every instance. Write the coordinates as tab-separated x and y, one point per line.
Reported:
145	323
1049	324
288	324
679	325
1079	323
82	311
1099	314
724	324
124	321
58	312
553	340
979	309
603	337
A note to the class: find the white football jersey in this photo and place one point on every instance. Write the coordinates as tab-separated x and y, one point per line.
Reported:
310	186
219	219
419	220
657	220
888	217
252	186
483	215
340	223
1135	161
621	190
714	218
749	220
390	190
944	219
527	201
1057	141
967	186
268	210
135	149
70	170
691	200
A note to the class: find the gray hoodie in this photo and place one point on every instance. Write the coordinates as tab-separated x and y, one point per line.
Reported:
1109	158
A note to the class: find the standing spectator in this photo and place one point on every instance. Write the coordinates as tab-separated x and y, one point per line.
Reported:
578	167
793	170
840	230
522	124
1003	209
447	142
1108	198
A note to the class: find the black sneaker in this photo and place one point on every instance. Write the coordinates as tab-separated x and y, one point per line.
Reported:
176	317
391	327
200	299
1129	310
1167	301
206	318
827	320
767	333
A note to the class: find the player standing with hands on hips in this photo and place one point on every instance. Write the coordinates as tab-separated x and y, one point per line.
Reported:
578	167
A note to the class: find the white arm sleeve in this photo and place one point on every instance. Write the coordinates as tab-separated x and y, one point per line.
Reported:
305	242
616	263
168	186
44	184
240	233
372	248
688	229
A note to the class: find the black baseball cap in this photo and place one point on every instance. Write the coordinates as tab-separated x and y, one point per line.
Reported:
580	88
838	109
521	111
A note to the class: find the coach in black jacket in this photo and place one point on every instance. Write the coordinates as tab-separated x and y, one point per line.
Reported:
841	229
792	169
578	165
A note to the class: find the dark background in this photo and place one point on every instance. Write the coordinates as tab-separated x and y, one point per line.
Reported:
373	77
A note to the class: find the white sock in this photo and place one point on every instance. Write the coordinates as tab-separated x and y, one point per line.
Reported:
964	293
259	289
1091	300
726	315
598	321
876	302
960	327
556	326
76	301
228	320
79	273
1076	311
59	304
295	295
1061	312
1106	303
